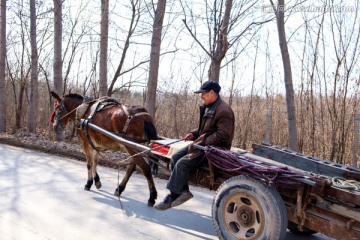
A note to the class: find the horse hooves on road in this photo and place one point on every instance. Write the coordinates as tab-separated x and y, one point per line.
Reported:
117	193
119	190
98	185
150	204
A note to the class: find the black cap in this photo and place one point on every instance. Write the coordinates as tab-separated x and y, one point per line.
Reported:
208	86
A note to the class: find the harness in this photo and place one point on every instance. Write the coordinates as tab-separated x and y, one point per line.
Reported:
129	117
101	104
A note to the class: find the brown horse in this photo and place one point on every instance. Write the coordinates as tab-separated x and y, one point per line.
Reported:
129	121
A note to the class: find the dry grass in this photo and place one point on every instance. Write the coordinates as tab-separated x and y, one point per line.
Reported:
322	131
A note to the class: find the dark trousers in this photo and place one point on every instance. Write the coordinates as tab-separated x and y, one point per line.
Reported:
181	167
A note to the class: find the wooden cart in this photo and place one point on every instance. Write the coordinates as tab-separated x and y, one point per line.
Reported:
247	206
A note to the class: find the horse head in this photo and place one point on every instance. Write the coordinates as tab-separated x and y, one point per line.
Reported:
64	110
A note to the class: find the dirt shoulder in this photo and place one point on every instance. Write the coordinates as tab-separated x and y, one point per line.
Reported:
68	149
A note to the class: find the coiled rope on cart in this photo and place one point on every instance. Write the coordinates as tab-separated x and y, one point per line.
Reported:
343	183
231	162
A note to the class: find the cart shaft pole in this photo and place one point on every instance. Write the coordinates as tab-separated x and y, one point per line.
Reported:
114	137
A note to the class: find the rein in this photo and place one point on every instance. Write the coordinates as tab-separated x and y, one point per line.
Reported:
68	113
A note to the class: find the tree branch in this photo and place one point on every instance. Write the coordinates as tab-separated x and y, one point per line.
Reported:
195	38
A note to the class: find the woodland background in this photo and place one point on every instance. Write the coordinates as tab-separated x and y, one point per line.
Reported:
156	54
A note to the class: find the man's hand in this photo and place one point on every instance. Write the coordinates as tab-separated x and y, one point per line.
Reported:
189	137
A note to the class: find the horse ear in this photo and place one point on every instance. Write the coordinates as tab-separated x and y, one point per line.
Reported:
54	94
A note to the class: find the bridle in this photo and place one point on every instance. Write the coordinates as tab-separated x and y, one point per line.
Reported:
62	109
59	111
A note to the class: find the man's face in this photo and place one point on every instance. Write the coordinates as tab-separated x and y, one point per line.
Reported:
208	97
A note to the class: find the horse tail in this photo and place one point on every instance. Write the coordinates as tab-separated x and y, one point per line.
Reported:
150	131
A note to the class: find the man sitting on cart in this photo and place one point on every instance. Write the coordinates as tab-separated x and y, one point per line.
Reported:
216	128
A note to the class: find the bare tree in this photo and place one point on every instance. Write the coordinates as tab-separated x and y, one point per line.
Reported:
223	30
308	99
34	70
58	86
104	47
154	57
221	45
345	38
2	65
248	114
290	99
21	71
135	16
73	43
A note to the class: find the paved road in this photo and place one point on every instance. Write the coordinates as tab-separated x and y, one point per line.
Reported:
42	197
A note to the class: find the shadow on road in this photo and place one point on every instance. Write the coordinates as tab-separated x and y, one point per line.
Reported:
176	218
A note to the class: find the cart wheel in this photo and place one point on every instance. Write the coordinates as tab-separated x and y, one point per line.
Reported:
293	227
247	209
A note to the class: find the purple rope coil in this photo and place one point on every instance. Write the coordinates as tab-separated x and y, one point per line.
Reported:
231	162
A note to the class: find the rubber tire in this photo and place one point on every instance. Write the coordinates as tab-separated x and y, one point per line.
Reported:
293	227
249	199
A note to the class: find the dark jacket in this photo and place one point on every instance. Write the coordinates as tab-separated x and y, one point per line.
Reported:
216	126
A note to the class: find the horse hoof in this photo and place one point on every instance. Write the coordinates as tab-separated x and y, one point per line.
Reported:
117	193
98	185
150	203
88	185
119	190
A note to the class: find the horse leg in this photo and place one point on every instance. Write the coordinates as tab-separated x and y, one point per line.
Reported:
129	171
155	168
146	169
91	156
90	180
97	181
94	171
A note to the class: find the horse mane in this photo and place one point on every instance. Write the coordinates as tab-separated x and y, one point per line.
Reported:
75	95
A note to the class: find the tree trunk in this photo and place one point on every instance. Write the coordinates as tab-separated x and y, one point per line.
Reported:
2	66
34	70
355	145
19	109
154	57
290	99
221	45
268	129
24	76
58	86
104	47
133	23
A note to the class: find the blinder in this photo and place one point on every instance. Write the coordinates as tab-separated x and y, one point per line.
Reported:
58	121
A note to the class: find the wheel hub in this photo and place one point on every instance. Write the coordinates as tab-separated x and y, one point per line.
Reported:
246	215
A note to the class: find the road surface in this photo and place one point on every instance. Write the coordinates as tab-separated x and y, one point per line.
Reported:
42	197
